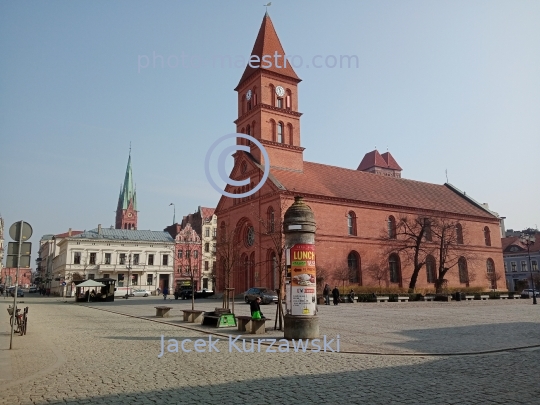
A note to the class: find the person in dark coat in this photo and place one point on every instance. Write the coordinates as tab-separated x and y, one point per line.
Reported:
255	307
335	295
165	292
326	294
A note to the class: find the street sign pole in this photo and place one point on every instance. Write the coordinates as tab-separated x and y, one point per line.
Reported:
14	318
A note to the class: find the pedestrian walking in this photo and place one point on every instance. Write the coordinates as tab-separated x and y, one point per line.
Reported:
255	308
165	292
158	290
326	294
335	295
351	295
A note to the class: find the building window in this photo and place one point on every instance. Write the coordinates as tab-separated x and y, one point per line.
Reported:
523	265
188	254
121	280
463	271
394	268
165	261
150	260
106	276
122	258
514	266
195	254
214	232
430	269
180	253
270	219
490	268
279	102
280	132
505	268
134	279
391	227
206	265
427	230
487	236
107	259
207	247
77	258
91	276
136	258
353	263
205	283
250	236
149	279
207	232
459	234
351	223
534	265
213	248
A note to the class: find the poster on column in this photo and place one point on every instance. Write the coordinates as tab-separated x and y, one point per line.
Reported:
303	279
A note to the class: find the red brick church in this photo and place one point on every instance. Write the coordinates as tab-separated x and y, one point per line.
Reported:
353	208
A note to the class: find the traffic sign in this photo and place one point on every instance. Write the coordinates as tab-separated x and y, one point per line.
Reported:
63	283
13	248
15	231
11	261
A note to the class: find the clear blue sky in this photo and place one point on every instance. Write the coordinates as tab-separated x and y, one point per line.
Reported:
443	84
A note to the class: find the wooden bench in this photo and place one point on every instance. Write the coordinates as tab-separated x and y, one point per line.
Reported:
192	315
469	297
382	298
429	297
219	318
252	326
162	312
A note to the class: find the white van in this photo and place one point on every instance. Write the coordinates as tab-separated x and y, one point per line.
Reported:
121	292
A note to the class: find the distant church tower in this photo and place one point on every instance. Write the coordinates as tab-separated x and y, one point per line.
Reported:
126	212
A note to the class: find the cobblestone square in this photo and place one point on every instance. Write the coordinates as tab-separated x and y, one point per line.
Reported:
399	353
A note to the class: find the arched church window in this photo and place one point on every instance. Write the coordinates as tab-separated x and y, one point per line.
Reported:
280	132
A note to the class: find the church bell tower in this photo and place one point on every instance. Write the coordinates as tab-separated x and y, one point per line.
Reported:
268	102
126	211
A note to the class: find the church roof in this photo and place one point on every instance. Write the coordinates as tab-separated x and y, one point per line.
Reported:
336	182
127	192
268	43
375	159
126	234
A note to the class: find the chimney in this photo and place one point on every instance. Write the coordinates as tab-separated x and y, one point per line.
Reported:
69	232
99	229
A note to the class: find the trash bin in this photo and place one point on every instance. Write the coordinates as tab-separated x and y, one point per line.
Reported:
458	296
320	300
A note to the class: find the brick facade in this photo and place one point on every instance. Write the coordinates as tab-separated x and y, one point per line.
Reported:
332	193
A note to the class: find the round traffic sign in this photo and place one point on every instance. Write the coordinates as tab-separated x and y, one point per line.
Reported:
15	231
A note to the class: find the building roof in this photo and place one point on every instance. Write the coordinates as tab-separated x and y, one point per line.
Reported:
66	234
207	213
126	234
375	159
268	43
127	191
516	241
336	182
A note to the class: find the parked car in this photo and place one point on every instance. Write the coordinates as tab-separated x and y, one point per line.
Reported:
140	293
266	294
528	293
20	293
32	289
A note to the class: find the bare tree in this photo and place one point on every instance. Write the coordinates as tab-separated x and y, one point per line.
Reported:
493	277
343	274
411	236
228	257
450	247
323	275
272	229
378	272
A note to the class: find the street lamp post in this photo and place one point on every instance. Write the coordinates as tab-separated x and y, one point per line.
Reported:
129	275
174	213
528	240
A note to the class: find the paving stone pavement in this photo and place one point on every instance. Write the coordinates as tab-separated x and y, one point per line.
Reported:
77	354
